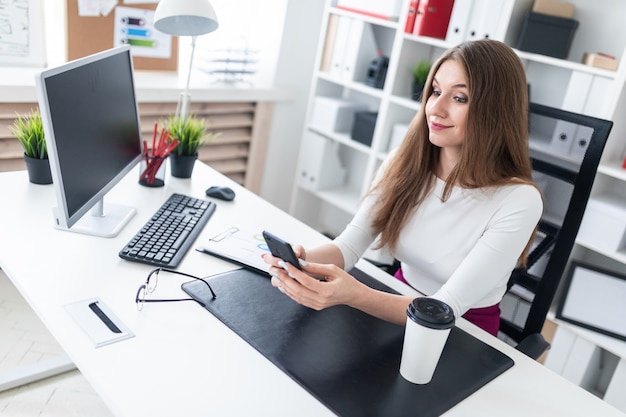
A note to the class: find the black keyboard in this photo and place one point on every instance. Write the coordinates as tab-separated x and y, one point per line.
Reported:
167	236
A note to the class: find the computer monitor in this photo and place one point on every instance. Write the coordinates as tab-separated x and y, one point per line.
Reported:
91	124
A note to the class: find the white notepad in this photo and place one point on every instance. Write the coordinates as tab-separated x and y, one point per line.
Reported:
102	331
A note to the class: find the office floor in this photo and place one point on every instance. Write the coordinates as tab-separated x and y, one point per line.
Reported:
23	341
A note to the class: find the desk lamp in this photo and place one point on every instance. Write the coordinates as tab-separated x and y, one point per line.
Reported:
185	18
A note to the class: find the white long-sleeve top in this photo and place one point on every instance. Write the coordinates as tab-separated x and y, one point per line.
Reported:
461	251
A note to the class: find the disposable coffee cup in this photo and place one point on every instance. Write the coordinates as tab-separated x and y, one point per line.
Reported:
428	325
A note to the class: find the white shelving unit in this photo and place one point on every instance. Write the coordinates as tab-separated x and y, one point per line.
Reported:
562	83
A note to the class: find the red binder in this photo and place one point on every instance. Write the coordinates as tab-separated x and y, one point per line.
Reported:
410	19
432	18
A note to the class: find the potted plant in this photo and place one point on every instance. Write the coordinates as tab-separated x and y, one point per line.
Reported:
420	75
28	129
191	134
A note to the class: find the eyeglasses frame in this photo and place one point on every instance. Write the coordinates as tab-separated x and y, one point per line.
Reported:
147	289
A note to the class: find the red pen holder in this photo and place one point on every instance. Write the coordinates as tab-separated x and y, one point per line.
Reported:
152	171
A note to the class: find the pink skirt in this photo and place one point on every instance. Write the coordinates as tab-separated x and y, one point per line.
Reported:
487	318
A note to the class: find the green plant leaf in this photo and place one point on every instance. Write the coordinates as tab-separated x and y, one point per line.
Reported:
190	131
420	71
28	129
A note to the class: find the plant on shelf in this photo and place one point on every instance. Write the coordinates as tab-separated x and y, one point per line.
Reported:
28	130
420	75
191	133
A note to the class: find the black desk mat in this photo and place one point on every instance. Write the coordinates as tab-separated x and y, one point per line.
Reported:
348	360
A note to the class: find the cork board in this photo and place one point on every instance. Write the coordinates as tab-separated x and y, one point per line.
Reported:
87	35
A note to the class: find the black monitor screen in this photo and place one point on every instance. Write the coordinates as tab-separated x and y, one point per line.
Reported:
90	112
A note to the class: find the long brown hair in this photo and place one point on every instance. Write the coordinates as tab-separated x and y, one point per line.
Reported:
495	149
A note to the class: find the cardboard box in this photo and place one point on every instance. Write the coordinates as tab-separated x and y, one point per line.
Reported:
554	8
547	35
600	61
604	223
331	114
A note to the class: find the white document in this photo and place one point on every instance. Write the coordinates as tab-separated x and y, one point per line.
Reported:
242	245
134	26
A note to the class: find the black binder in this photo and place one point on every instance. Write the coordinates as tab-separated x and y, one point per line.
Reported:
347	359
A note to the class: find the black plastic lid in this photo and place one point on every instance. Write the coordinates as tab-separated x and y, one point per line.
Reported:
431	313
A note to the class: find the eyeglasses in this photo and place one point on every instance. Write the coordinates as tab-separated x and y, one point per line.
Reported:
150	285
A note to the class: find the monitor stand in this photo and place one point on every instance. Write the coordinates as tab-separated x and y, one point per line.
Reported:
102	220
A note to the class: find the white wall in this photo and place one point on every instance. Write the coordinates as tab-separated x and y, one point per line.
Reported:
54	30
294	69
293	58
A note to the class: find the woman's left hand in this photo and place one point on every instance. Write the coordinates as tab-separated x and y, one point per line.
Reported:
336	286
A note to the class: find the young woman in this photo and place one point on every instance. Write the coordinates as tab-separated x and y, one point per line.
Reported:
455	204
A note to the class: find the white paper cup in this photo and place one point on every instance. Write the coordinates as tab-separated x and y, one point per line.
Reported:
428	325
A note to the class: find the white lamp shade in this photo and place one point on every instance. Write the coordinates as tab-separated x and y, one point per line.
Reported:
185	17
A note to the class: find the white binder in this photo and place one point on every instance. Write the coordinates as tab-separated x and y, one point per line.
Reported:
459	20
597	99
485	19
341	39
577	92
319	167
355	48
360	50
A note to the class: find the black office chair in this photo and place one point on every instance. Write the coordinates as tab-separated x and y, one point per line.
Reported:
566	184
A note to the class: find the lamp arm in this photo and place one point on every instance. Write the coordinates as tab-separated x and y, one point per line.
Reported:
184	109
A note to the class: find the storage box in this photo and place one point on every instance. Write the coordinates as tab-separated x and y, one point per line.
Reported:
334	114
604	223
554	8
363	127
600	61
547	35
319	167
386	9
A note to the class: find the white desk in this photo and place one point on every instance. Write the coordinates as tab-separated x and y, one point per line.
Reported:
183	361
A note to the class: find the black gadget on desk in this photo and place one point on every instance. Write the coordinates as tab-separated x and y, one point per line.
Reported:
221	193
281	249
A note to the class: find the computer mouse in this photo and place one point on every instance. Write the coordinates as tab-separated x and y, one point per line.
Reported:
221	192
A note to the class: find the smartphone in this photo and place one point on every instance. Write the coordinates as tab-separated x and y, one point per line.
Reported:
281	249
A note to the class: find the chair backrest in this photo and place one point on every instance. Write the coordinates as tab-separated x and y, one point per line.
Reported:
565	150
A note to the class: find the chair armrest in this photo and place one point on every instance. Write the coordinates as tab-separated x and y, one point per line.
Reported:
533	345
